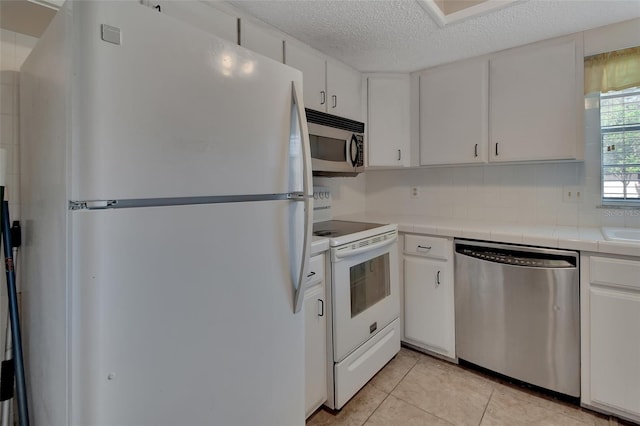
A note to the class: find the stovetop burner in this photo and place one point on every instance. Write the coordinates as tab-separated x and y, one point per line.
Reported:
339	228
327	233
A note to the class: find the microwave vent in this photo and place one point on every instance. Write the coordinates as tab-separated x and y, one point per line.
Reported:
329	120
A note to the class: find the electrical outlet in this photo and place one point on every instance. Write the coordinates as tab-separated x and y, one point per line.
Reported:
573	194
415	193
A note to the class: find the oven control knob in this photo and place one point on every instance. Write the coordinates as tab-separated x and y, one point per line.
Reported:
315	195
327	195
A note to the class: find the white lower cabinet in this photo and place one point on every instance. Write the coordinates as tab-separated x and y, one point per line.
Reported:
315	328
611	363
429	320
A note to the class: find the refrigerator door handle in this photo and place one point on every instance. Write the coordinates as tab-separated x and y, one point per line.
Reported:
308	207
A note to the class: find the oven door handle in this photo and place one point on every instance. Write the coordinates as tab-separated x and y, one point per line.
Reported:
371	247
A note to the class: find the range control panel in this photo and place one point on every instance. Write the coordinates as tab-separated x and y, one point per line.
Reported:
321	204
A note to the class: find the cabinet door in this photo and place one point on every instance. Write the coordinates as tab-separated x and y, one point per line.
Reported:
344	87
454	113
313	69
315	347
260	40
388	120
534	104
428	305
615	348
201	15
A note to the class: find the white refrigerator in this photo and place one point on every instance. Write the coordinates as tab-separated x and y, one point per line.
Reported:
166	194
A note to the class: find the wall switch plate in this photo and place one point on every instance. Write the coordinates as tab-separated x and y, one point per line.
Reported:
572	194
415	192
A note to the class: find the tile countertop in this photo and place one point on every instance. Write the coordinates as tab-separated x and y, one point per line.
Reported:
319	245
563	237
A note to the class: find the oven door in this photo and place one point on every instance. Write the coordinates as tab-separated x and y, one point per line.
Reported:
365	294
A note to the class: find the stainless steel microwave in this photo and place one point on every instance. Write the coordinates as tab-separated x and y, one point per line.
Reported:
337	145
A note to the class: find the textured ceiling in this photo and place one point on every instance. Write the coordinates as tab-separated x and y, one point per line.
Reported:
384	35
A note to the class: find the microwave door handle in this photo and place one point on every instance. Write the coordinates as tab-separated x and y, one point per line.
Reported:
353	156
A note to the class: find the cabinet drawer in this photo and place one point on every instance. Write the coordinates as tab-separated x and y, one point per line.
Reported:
616	272
433	247
316	270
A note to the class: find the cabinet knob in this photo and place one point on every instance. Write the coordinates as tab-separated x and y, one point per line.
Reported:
335	100
320	307
438	279
323	97
497	149
399	155
475	151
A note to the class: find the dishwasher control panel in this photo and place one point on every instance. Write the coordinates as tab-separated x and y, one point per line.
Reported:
517	258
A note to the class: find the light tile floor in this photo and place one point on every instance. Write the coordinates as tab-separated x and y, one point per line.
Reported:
416	389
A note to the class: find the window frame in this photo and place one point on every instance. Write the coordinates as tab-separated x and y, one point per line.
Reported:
615	201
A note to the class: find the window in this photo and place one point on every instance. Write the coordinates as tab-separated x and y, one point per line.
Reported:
614	77
620	137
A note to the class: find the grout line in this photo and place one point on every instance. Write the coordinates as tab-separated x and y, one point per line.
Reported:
375	409
410	403
405	375
487	406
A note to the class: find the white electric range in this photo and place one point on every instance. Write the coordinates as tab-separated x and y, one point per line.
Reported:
364	299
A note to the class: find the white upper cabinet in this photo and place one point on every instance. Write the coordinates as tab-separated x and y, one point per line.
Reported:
201	15
454	114
345	91
536	102
260	40
523	104
328	85
313	67
388	100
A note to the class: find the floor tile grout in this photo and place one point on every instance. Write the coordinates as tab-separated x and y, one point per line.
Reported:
375	409
389	393
408	402
487	406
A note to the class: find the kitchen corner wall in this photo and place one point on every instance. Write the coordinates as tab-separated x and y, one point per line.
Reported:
517	193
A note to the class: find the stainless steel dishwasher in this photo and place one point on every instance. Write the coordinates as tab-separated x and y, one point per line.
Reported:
518	312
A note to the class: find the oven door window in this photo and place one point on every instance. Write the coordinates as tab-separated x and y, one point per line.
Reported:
328	149
369	283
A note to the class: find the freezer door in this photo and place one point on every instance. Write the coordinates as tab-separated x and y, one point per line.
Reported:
171	111
183	316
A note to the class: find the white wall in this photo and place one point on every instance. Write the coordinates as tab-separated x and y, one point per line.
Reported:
14	49
520	193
